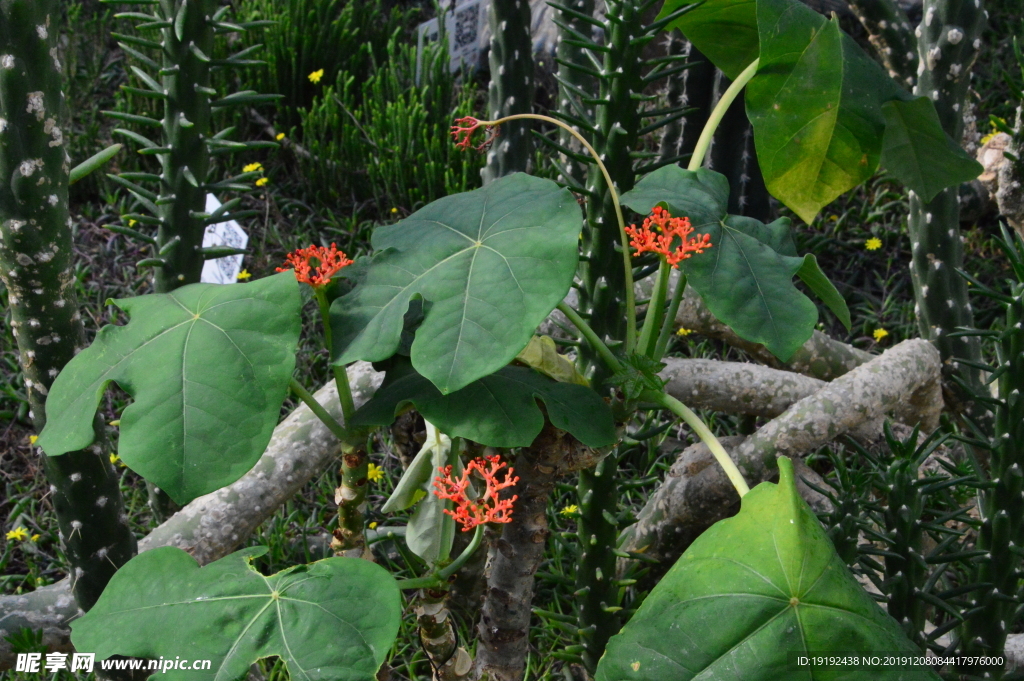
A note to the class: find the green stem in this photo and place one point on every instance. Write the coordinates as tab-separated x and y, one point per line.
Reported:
704	433
591	337
348	406
317	409
655	311
627	261
670	319
718	113
440	577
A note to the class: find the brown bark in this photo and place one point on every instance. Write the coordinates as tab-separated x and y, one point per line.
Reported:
505	617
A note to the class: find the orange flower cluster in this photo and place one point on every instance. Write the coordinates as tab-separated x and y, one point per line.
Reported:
462	135
329	261
488	508
646	240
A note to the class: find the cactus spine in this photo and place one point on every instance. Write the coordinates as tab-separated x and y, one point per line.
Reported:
614	127
186	30
996	607
36	267
891	35
575	26
511	88
948	44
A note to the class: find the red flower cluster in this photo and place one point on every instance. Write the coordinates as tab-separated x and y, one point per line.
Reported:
646	240
462	135
488	508
329	261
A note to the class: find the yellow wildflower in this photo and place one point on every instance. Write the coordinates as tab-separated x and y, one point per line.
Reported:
394	210
252	167
116	460
373	526
879	334
280	136
262	182
132	223
35	537
571	509
316	76
374	472
684	332
17	534
873	244
32	439
243	275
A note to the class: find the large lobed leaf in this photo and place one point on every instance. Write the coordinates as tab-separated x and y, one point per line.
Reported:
489	264
749	595
334	620
824	113
499	410
208	367
746	277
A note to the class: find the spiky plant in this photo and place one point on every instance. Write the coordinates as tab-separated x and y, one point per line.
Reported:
614	127
37	270
511	88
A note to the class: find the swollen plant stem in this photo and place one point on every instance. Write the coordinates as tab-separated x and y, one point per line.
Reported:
441	576
627	261
718	113
340	374
325	417
704	433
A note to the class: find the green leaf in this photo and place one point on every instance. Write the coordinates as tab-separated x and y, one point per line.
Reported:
334	620
490	265
749	595
724	30
810	273
541	354
418	478
639	373
919	153
499	410
93	163
815	107
746	277
208	367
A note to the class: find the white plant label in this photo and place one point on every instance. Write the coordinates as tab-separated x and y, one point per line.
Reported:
463	26
228	234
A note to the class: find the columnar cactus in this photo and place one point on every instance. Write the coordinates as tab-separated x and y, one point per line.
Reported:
37	270
948	44
185	32
892	37
511	88
575	26
614	127
997	605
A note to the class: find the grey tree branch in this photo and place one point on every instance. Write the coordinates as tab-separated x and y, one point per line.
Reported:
214	525
696	493
755	390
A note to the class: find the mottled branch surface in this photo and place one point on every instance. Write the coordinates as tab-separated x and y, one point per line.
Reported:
505	617
214	525
696	493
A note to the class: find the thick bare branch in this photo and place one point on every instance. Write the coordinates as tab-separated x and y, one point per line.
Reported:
696	493
214	525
